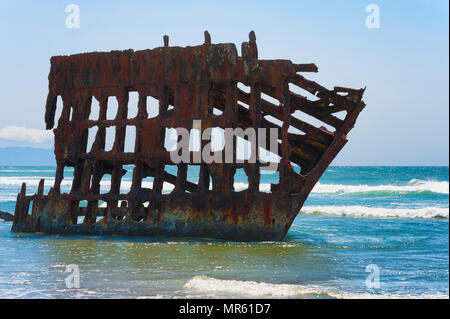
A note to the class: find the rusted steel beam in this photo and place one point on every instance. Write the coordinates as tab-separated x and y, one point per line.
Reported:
7	217
191	84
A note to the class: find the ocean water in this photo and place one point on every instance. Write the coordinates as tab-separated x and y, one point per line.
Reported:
358	225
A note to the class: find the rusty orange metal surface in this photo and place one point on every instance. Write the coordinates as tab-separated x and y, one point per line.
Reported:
189	83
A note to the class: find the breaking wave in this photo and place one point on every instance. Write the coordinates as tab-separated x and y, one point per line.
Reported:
211	285
363	211
414	185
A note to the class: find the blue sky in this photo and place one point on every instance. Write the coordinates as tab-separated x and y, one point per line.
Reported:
404	63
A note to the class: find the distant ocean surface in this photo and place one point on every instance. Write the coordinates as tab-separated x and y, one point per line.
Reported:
395	219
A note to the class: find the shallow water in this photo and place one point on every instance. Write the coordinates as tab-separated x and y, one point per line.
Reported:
393	218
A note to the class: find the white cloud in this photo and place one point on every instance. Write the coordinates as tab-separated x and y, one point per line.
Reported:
24	134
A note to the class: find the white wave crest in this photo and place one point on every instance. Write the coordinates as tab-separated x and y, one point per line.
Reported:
414	185
8	198
260	289
363	211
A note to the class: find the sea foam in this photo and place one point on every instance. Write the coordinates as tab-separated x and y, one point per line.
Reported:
363	211
413	185
209	285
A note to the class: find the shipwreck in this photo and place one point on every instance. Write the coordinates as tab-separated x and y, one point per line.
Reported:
189	82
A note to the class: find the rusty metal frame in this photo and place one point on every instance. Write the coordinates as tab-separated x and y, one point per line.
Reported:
192	80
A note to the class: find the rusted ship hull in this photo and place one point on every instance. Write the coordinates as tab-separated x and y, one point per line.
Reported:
253	217
193	81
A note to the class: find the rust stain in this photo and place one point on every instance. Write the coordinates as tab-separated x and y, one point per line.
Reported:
268	216
189	83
